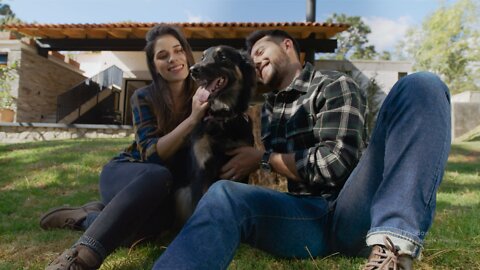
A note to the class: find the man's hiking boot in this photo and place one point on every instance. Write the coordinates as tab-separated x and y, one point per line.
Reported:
386	257
68	217
79	257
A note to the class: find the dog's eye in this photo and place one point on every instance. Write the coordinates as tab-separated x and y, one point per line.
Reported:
221	57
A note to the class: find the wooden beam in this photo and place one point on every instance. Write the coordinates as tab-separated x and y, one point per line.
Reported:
75	33
120	33
53	33
187	32
201	32
206	30
95	34
197	44
139	33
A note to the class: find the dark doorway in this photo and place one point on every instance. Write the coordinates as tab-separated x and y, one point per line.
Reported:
130	87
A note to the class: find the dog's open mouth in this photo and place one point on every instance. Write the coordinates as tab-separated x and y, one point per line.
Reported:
214	85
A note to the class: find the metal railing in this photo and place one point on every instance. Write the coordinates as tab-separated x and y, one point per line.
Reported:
73	99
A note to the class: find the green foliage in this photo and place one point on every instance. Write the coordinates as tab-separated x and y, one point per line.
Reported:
5	10
385	55
37	176
447	44
373	103
353	43
7	75
7	17
354	39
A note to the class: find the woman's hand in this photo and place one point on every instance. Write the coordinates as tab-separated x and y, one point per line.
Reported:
199	104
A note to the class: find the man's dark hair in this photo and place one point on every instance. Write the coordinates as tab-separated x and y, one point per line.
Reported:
276	35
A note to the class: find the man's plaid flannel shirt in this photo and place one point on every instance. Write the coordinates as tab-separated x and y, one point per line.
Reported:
320	117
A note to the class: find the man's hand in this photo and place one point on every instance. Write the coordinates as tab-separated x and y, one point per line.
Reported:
244	161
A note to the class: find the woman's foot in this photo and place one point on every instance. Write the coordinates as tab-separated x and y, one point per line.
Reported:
68	217
79	257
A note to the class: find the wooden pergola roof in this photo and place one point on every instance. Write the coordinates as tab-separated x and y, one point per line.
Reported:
131	36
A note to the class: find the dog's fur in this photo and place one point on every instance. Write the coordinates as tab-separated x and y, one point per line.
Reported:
229	76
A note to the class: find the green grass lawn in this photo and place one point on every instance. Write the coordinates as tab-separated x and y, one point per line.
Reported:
37	176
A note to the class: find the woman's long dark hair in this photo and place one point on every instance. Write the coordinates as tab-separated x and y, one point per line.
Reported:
160	94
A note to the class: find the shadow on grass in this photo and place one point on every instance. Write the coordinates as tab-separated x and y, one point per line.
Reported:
37	176
452	187
49	154
465	149
49	174
73	166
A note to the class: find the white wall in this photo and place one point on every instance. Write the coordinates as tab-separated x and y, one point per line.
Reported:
133	64
385	72
468	96
465	113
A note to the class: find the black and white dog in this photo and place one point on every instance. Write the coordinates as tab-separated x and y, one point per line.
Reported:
229	77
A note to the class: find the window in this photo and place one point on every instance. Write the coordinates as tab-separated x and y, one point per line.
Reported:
3	59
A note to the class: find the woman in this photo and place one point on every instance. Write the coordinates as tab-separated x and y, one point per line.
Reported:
137	185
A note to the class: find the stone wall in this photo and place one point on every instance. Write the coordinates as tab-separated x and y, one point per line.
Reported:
465	117
41	80
27	132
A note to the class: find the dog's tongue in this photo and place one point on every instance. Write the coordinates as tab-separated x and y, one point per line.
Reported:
206	91
211	87
203	94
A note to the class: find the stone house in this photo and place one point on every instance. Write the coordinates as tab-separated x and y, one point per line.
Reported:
95	88
39	80
86	73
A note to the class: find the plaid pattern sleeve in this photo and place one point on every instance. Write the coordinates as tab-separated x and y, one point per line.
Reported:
321	118
145	124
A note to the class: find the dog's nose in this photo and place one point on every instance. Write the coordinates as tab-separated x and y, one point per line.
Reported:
194	70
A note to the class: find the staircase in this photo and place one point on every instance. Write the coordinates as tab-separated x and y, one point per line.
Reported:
77	101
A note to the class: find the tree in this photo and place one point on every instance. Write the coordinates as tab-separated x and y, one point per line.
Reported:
353	43
7	16
7	75
6	10
365	52
385	55
354	38
447	44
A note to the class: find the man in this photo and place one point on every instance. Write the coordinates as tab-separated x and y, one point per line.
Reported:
313	132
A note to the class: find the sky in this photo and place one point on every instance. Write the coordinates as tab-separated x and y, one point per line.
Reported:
387	19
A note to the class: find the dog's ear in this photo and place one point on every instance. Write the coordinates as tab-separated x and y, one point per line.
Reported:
246	57
249	73
247	62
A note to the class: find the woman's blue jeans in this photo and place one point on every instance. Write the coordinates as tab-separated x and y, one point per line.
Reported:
392	191
138	203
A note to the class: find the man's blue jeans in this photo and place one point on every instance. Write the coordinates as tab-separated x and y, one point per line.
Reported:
392	191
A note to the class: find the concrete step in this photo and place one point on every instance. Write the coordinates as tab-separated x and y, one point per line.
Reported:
85	107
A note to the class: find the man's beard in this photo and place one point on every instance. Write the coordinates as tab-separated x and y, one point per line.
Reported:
274	81
277	77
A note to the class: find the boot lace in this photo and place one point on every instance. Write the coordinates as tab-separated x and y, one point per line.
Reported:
383	257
